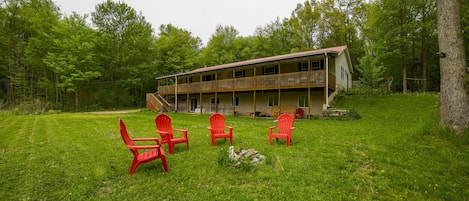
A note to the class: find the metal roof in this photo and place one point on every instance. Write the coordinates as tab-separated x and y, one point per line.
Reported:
336	50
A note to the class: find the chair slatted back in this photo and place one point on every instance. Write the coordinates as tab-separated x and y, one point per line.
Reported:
285	123
163	123
125	136
217	122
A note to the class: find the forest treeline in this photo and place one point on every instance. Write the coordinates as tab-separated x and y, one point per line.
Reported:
109	58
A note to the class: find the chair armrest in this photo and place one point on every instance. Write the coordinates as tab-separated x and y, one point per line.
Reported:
144	147
147	139
271	129
162	132
180	130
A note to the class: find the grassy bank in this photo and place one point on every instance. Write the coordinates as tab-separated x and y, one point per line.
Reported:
394	152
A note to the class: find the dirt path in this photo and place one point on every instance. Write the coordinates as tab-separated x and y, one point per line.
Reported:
114	112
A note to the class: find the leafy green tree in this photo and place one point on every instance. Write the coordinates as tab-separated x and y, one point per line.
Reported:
371	72
17	86
332	27
176	50
223	47
342	24
273	39
248	48
27	23
304	23
4	47
42	17
125	47
327	23
401	35
72	59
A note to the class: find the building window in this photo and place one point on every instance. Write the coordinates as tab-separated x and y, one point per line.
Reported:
302	101
212	101
236	101
273	100
342	72
194	104
240	73
317	65
270	70
208	77
302	66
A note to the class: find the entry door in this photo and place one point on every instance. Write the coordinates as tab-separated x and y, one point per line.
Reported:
193	104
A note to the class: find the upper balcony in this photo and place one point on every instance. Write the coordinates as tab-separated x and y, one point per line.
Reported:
303	79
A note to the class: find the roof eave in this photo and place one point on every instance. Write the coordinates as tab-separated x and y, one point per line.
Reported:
262	60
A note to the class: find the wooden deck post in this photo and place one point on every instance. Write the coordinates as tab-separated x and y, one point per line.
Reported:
254	112
309	102
326	88
176	94
233	106
279	90
255	87
187	103
216	102
216	93
309	87
201	107
233	98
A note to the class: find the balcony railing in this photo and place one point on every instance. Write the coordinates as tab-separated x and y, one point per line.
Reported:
264	82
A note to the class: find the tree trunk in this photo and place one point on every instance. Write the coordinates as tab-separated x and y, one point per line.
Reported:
404	80
76	100
423	52
453	98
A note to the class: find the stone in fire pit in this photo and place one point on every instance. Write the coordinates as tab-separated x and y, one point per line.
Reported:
250	155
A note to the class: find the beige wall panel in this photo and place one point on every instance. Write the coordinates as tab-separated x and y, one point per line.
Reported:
341	80
317	101
246	102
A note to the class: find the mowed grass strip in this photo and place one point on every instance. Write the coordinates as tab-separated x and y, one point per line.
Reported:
394	152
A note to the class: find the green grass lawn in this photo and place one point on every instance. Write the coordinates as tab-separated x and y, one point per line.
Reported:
394	152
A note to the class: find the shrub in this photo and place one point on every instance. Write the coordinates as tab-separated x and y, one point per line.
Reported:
351	115
16	111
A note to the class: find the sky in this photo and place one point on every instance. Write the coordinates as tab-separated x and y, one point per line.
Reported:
200	17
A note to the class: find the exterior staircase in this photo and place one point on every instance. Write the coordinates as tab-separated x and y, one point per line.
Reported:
157	102
332	96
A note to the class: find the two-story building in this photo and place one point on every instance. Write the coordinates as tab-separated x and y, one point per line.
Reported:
259	87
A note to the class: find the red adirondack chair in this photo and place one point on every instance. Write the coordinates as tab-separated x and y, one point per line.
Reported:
155	151
164	128
217	128
284	128
299	113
